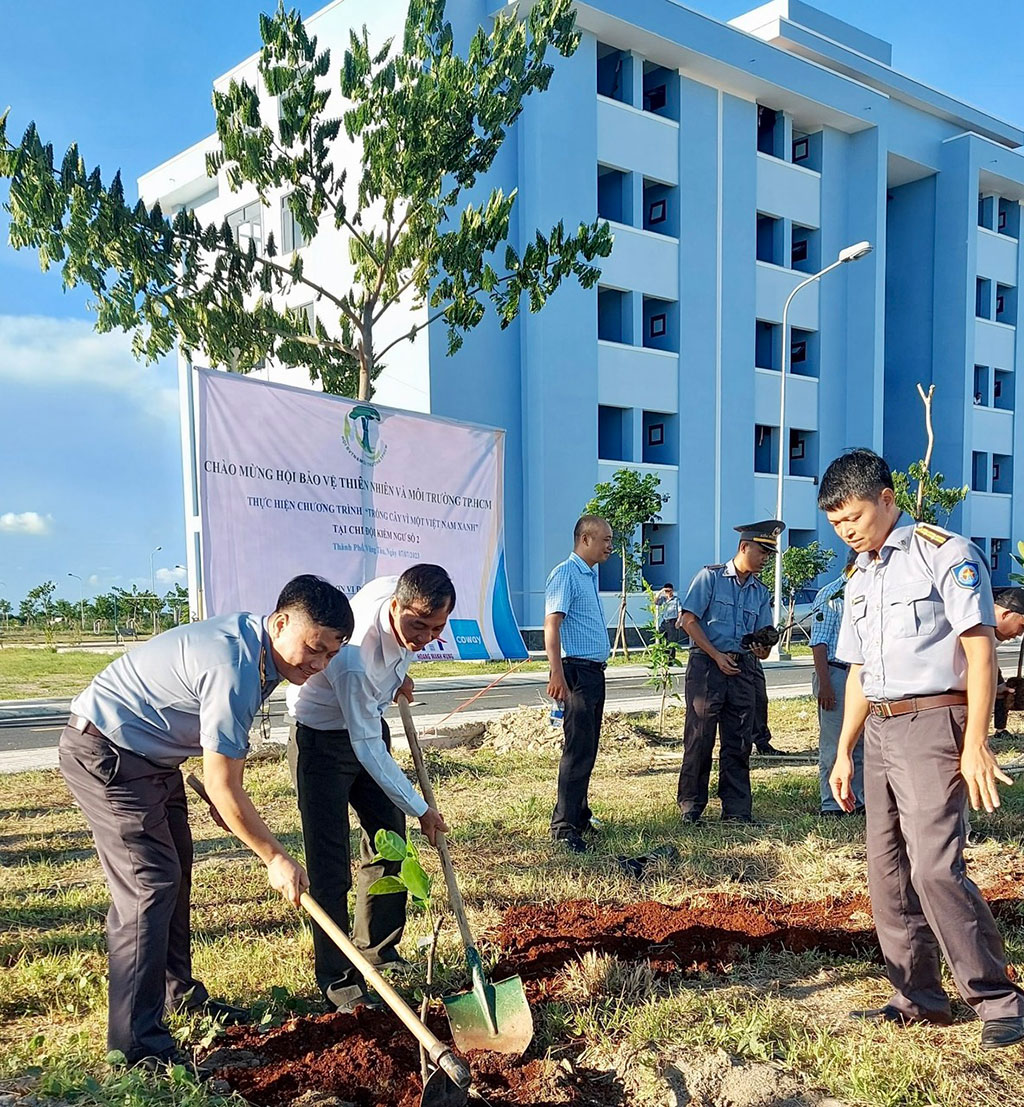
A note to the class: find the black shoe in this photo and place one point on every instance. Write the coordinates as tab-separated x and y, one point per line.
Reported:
766	749
975	838
998	1033
225	1013
573	841
888	1013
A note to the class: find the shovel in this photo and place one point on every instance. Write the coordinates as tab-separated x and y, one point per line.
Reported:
491	1016
447	1085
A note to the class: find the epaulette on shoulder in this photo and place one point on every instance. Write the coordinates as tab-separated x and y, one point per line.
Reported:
934	535
722	566
850	570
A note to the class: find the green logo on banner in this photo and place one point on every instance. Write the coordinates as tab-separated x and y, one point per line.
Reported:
361	434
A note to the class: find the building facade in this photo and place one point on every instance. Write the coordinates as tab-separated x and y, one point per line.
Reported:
732	161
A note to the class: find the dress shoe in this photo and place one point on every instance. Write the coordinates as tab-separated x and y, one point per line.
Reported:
766	749
998	1033
397	966
350	1006
573	841
888	1013
225	1013
690	816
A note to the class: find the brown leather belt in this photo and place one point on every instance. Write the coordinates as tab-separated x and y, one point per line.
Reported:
80	722
887	709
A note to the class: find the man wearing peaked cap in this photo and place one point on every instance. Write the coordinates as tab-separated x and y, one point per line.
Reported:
723	606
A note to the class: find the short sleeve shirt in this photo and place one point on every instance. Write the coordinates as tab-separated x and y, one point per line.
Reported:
572	591
726	608
827	615
195	687
904	612
668	609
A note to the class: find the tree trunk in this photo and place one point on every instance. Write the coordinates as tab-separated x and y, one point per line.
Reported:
620	630
926	399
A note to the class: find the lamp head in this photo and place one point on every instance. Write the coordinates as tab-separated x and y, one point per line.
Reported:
855	252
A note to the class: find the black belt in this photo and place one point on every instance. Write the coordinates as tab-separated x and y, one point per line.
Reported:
80	722
840	665
587	663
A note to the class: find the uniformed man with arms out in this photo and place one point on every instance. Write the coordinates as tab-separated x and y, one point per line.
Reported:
192	691
917	634
724	604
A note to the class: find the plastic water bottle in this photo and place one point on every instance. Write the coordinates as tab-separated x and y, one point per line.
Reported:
557	713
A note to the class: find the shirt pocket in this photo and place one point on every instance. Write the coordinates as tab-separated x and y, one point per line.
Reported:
722	614
911	608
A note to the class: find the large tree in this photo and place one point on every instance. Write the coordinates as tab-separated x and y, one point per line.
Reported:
426	124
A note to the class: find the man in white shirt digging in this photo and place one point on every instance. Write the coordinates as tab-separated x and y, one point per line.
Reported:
340	756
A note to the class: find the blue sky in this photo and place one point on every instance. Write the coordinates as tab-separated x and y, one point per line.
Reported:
89	452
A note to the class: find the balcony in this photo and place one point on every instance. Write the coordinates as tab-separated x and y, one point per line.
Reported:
788	190
637	140
800	500
801	400
990	512
643	260
997	256
632	376
774	284
993	342
992	430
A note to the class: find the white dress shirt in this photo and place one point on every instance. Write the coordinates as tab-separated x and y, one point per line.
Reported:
357	687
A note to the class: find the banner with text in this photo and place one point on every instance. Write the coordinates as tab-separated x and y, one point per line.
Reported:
294	481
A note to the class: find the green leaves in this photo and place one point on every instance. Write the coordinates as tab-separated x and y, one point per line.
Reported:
628	501
411	878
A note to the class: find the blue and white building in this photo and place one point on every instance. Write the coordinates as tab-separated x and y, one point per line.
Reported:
732	160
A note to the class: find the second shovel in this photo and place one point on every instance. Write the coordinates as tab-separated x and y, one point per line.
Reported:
491	1016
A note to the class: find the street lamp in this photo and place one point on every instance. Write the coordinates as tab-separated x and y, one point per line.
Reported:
152	582
850	253
81	598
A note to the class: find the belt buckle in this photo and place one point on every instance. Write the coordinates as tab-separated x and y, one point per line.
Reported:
881	709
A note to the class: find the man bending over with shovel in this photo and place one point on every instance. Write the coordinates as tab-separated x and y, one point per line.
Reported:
340	755
191	691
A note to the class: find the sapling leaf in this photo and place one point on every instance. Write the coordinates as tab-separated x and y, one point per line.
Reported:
415	879
386	885
390	846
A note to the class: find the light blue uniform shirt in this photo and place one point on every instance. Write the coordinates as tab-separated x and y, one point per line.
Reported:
192	688
727	609
827	615
668	609
572	590
905	610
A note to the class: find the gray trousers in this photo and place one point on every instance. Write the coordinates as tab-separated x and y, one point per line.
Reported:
138	815
328	777
830	725
921	897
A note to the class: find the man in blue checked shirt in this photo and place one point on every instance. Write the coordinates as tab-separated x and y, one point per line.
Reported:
574	624
829	683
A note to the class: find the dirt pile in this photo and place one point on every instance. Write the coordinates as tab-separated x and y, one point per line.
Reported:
529	728
369	1060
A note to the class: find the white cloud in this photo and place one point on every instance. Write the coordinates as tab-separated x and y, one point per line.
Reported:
25	522
59	353
170	576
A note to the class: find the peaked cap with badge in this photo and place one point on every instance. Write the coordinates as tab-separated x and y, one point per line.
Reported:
765	533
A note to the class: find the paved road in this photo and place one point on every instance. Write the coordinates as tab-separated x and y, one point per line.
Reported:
37	725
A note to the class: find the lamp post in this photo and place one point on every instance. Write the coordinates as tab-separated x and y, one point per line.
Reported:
152	582
850	253
81	598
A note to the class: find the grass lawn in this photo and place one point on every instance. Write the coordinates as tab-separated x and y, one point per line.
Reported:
43	674
787	1010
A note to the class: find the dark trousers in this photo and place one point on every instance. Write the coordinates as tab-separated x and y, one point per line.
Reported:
581	727
328	779
921	896
723	704
672	634
139	819
762	736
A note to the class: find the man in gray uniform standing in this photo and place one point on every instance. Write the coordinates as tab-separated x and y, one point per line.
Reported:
723	604
192	691
917	633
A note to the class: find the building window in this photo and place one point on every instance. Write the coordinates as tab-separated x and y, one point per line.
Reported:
796	448
801	149
997	387
655	434
292	237
659	325
658	212
655	98
799	250
657	555
1000	300
246	225
798	352
1002	227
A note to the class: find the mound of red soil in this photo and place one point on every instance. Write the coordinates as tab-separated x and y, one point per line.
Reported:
537	940
370	1060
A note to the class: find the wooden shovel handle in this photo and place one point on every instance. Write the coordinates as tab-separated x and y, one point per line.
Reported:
454	895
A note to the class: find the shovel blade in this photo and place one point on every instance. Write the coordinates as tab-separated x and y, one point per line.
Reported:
441	1091
473	1023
